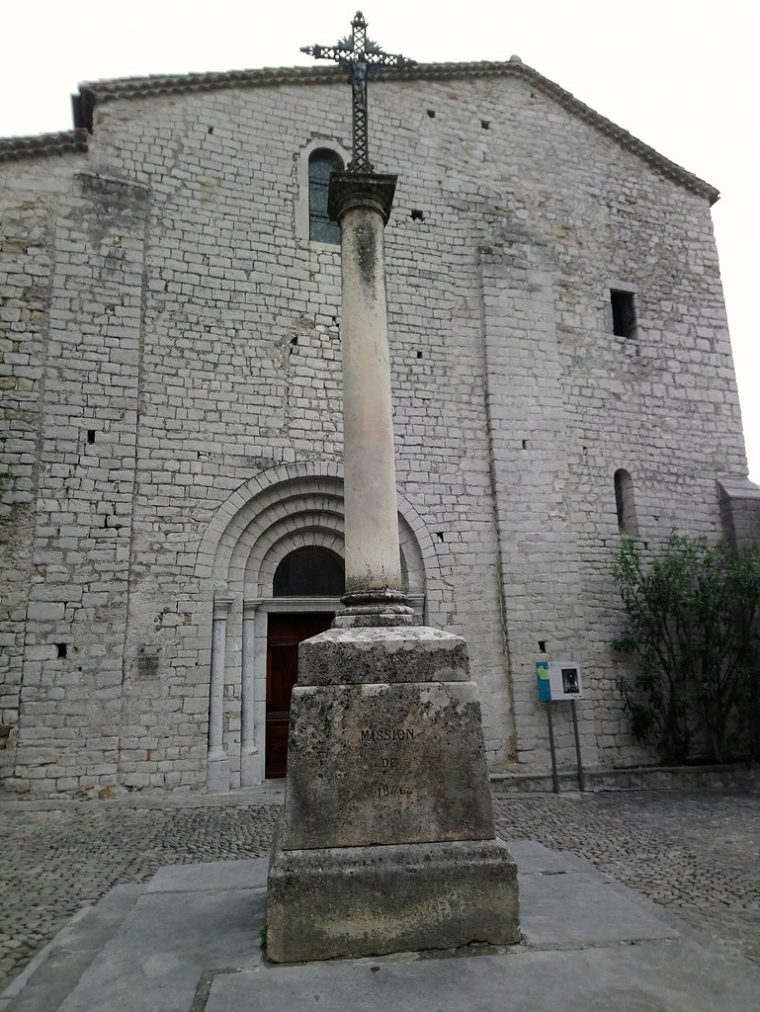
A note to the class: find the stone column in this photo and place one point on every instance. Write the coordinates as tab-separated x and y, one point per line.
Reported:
218	776
250	758
386	841
374	595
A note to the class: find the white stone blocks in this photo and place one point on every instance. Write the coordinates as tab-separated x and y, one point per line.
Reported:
156	306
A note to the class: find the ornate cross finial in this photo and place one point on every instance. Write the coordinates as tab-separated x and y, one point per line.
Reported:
360	58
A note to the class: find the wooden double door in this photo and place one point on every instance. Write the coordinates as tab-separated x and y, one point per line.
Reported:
285	632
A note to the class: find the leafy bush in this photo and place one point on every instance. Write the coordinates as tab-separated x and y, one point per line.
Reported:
693	618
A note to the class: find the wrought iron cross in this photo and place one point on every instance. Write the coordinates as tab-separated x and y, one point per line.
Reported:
360	58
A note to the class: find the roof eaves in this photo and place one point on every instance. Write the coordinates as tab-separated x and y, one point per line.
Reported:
67	142
97	92
141	87
175	84
516	68
672	170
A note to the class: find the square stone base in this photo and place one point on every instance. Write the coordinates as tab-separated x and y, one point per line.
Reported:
385	743
364	901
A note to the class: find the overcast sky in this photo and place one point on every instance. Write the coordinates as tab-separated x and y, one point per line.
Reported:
682	75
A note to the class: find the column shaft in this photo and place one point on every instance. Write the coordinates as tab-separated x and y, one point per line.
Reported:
250	765
218	778
372	546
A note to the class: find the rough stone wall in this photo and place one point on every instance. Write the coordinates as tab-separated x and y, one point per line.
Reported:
514	403
78	541
27	216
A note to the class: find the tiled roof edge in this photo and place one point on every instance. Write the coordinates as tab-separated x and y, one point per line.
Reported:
96	92
68	142
140	87
177	84
672	170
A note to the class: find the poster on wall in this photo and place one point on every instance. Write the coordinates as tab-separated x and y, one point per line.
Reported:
558	680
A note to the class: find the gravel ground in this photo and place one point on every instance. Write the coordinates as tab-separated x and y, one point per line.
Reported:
697	854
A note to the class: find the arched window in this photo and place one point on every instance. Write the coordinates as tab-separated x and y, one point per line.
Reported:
322	164
624	504
310	571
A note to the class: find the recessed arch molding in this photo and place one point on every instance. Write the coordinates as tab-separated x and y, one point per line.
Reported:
287	507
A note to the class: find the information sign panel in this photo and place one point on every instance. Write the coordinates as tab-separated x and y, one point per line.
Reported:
558	680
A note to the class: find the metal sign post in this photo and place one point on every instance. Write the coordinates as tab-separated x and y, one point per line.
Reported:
581	782
552	749
558	681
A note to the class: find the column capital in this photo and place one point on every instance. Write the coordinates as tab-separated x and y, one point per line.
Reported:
222	607
369	191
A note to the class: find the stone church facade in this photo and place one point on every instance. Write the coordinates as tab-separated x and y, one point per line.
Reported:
172	516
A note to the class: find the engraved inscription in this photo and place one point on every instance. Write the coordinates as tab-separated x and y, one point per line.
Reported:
388	734
392	766
393	791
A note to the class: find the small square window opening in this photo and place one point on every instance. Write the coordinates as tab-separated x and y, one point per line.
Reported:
623	313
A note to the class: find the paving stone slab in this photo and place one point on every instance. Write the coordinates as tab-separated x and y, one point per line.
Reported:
671	976
156	958
56	970
210	875
530	857
190	943
594	908
695	854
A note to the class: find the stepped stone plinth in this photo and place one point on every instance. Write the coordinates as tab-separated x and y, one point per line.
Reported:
387	839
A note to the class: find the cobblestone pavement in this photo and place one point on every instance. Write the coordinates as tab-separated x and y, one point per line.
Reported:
697	854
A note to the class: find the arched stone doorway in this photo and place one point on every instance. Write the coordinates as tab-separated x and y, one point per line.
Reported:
305	574
271	519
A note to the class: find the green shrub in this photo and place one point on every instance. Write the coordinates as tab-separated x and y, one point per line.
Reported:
693	619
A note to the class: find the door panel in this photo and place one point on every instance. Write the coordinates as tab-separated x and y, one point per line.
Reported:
285	632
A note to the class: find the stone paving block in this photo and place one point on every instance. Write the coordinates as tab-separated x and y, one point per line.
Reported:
569	902
670	976
534	857
693	854
155	958
215	875
572	908
56	969
195	944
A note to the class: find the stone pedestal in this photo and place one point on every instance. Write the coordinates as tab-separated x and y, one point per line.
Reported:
368	901
386	840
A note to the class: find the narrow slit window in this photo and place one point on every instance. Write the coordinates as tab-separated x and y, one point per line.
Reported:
624	504
623	313
322	164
